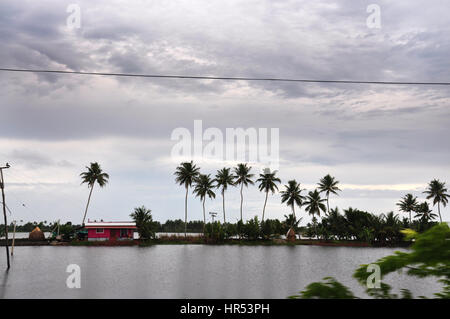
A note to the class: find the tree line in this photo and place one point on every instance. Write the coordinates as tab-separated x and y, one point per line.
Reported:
351	224
189	175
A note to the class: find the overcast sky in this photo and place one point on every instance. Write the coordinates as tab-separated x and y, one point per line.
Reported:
380	142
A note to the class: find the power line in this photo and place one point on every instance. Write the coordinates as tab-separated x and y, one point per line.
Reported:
201	77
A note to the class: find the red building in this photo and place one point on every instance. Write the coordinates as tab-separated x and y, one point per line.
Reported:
110	230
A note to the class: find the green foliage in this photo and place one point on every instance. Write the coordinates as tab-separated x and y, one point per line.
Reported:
292	195
243	175
94	174
429	257
67	231
328	185
214	232
29	226
244	178
177	226
354	224
144	222
224	178
186	173
331	289
311	228
290	221
314	204
424	213
408	204
230	230
240	228
267	181
271	228
203	187
437	191
251	229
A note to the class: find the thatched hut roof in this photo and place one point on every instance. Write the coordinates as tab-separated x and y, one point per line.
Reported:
36	234
290	236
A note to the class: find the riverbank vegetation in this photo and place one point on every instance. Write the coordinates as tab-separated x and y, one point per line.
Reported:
327	224
350	226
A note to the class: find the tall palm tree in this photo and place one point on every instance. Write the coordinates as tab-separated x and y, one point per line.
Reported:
424	212
94	174
408	204
267	182
203	186
224	179
314	204
185	174
292	195
243	178
328	184
437	190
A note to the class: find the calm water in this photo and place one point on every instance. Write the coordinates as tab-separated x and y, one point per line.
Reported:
188	271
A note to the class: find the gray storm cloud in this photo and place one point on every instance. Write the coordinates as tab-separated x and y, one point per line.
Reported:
363	134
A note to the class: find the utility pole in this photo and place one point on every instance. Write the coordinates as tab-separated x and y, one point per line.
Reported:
14	238
213	214
2	186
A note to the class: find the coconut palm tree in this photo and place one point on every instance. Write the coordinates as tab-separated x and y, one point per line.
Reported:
424	212
185	174
328	184
292	195
243	178
94	174
203	186
314	204
267	182
291	221
224	179
438	192
408	204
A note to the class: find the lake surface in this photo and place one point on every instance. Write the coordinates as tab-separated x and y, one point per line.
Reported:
189	271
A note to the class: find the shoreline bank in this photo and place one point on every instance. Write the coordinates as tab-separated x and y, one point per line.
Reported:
200	241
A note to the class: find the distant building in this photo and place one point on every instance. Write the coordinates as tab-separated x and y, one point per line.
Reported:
110	230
